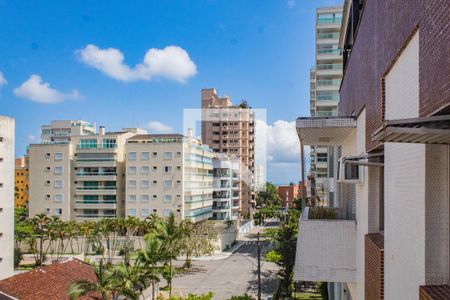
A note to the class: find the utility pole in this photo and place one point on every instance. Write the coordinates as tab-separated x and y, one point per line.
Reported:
259	269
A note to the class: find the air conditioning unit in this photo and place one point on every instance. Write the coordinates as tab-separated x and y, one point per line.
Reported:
349	172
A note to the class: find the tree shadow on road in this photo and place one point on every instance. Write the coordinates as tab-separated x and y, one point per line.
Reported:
269	282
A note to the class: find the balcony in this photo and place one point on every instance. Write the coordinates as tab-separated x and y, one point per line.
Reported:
329	69
325	250
95	162
96	176
325	131
80	204
96	190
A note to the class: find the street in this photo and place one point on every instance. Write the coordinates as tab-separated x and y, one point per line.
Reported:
232	276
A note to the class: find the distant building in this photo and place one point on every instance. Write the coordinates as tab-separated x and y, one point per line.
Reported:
288	193
47	283
21	185
7	148
61	131
260	177
230	129
169	173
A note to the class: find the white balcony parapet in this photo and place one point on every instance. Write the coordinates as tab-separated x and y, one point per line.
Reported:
325	250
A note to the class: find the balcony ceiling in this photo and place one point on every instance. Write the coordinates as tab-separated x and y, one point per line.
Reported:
325	131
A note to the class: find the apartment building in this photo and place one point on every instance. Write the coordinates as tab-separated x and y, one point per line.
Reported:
390	239
226	184
21	182
7	148
61	131
325	80
230	129
168	173
288	194
81	179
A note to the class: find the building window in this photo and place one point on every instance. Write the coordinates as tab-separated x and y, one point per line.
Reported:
145	170
167	155
145	184
132	212
167	183
58	170
145	212
132	184
145	155
145	198
167	212
132	156
167	169
58	211
58	184
58	156
88	144
167	198
131	198
58	198
131	170
109	143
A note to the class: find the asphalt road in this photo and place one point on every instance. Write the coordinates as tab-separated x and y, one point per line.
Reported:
232	276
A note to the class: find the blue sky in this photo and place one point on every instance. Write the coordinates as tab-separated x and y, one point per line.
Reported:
255	50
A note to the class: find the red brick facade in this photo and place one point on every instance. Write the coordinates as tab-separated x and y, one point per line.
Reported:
293	192
374	266
383	32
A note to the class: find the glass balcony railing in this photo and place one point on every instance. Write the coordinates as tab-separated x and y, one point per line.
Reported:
329	67
328	97
328	35
90	188
328	51
96	146
96	174
329	82
329	20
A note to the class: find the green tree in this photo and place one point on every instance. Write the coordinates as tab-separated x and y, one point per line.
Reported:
269	196
149	257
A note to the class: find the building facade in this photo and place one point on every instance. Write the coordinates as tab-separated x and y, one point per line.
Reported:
7	148
288	194
226	185
325	80
81	179
391	236
230	129
21	179
61	131
168	173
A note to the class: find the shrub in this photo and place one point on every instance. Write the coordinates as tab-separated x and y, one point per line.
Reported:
322	212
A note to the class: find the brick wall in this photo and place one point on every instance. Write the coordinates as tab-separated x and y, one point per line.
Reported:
384	29
374	266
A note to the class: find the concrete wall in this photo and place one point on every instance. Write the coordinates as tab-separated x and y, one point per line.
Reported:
7	148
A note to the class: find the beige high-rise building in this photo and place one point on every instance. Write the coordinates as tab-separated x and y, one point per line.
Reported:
7	128
61	131
81	179
230	129
168	173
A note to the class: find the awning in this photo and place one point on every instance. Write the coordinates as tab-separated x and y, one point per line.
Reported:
325	131
425	130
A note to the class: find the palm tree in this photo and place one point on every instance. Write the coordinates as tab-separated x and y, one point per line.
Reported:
149	257
41	231
169	233
132	280
101	289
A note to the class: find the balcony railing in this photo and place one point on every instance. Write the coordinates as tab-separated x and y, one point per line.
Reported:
90	188
328	35
329	67
96	174
329	20
97	146
328	51
329	82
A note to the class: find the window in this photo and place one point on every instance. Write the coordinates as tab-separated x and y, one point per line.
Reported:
167	198
109	143
167	169
88	144
145	170
167	212
145	198
58	211
132	212
58	198
58	170
132	156
58	184
131	170
131	198
58	156
145	184
132	184
145	155
145	212
167	155
167	183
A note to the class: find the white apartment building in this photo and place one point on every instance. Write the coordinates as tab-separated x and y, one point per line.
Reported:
390	239
81	179
226	184
168	173
7	155
61	131
325	80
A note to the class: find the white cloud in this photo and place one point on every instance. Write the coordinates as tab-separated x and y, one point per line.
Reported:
172	62
291	3
159	127
2	79
37	90
282	145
